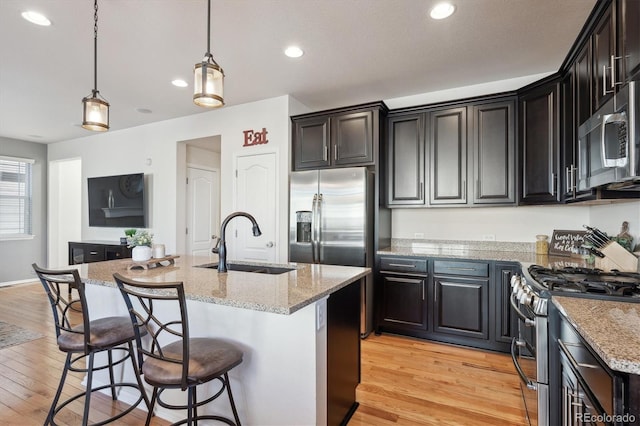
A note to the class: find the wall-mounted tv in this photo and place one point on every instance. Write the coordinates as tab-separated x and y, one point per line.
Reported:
117	201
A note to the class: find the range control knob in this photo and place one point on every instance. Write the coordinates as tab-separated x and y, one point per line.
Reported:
526	298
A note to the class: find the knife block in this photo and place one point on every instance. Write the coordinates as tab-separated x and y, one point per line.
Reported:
616	257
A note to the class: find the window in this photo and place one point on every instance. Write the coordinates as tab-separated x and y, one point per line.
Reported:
15	197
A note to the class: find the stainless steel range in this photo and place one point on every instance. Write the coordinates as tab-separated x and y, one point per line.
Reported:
530	297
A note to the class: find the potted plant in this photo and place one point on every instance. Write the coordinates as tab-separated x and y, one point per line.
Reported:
128	233
141	242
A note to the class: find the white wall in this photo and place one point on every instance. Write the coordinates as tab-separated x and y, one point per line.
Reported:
153	149
520	224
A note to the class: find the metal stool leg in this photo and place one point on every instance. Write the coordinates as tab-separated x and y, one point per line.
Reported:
56	398
111	378
87	397
154	397
233	405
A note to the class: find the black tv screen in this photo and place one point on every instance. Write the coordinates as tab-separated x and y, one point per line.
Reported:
117	201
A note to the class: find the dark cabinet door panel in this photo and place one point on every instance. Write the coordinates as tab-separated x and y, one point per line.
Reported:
404	302
352	138
582	81
629	37
461	307
406	160
603	49
506	326
539	151
311	144
494	153
448	156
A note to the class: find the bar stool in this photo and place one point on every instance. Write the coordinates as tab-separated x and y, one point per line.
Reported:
186	361
81	339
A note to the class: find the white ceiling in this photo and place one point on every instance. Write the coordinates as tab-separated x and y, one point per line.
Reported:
355	51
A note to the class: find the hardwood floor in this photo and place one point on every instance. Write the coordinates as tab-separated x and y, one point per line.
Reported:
408	381
404	381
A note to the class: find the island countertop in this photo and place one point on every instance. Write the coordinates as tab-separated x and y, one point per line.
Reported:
281	294
610	328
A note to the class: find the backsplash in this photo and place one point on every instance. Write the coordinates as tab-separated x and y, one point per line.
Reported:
427	244
511	224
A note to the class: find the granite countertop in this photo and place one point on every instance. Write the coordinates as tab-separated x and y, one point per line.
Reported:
523	253
612	329
281	294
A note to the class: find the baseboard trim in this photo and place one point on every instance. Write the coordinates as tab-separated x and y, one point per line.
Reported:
10	283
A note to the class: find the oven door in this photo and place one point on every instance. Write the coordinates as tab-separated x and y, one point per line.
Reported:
523	354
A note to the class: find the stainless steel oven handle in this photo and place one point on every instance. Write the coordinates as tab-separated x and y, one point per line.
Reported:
527	321
527	381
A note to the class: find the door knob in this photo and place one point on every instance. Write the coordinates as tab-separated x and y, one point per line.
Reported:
270	244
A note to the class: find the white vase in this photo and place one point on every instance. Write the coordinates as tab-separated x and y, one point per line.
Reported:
141	253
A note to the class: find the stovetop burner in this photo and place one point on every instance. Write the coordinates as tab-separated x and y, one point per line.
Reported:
587	281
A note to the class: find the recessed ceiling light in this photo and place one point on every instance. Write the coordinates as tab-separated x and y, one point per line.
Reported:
442	10
36	18
293	52
178	82
144	110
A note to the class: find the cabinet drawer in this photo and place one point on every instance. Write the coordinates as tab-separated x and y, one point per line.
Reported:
470	269
408	265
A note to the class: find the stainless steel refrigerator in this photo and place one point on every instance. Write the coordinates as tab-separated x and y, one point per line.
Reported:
331	221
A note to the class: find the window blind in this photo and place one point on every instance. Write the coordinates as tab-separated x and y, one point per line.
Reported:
15	196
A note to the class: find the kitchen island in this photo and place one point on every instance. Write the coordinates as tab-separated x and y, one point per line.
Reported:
299	331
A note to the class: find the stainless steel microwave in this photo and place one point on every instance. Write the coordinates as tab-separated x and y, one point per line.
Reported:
609	143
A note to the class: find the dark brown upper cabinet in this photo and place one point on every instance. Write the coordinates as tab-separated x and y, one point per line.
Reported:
493	158
628	24
337	138
604	58
461	153
405	160
448	156
538	119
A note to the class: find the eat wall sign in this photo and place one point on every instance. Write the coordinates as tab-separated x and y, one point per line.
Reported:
253	137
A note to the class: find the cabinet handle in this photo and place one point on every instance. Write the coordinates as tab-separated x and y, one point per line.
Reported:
422	190
566	178
424	282
477	188
93	253
335	152
554	179
325	154
461	269
463	189
402	265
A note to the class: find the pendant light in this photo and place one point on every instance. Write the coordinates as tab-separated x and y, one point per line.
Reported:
208	76
95	109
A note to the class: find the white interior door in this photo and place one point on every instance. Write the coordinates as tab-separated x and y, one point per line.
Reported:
256	194
202	210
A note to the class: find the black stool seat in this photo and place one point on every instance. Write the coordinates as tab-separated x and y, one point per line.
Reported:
105	332
208	359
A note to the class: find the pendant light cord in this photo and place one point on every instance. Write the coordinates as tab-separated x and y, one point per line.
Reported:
208	27
95	46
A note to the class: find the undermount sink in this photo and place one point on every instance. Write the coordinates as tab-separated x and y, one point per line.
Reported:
258	269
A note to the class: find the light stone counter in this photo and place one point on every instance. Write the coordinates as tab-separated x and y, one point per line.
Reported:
612	329
502	251
281	294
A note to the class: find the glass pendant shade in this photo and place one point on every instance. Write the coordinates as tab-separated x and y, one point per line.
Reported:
208	84
95	113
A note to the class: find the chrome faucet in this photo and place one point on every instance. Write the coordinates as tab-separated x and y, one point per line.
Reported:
221	247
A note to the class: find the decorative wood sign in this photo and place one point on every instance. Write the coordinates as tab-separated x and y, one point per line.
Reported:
252	137
566	243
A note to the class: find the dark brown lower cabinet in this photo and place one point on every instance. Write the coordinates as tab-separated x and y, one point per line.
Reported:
447	300
404	304
461	307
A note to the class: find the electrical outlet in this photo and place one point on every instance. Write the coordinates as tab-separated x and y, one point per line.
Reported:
488	237
418	235
321	314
